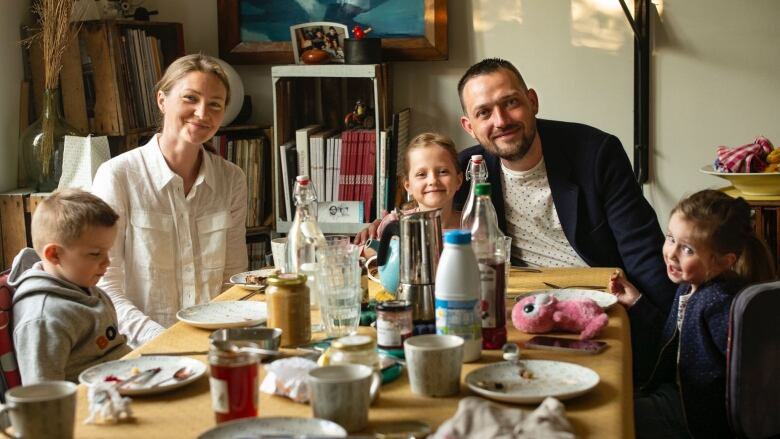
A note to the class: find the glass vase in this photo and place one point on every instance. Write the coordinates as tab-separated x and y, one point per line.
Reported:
42	144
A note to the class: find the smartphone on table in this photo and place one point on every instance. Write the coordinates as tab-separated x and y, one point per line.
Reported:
565	344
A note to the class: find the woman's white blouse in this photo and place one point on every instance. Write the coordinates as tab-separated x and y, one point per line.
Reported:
172	251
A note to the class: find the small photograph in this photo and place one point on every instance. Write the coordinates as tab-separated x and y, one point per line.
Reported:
321	35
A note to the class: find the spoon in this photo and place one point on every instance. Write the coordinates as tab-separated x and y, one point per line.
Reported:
227	346
180	375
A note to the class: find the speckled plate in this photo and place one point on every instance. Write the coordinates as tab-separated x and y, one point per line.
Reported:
123	369
257	427
240	278
217	315
604	300
549	378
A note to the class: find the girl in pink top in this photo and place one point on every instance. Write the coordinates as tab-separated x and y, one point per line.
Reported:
431	175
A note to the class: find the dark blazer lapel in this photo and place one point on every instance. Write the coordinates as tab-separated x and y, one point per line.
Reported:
565	193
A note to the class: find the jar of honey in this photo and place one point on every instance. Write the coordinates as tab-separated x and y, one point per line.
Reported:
233	384
354	349
287	297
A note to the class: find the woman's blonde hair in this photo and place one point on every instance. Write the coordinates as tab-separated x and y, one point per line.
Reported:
185	65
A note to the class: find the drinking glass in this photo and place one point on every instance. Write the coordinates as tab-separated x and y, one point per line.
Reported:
339	240
338	282
507	241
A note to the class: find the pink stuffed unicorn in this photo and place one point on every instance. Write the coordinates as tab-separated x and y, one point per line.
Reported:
543	313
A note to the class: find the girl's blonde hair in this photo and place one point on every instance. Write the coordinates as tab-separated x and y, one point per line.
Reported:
725	225
185	65
426	140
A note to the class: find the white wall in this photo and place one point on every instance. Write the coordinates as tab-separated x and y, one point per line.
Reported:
14	14
716	74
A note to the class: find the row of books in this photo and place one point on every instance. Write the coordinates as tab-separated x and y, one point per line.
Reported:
341	165
253	156
140	61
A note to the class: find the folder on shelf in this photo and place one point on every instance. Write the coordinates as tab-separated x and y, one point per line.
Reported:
302	146
288	159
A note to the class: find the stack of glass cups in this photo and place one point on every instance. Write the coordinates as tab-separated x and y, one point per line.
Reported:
338	285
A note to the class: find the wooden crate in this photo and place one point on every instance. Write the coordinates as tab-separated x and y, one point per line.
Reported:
16	209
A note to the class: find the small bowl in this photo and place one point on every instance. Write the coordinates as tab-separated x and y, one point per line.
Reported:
256	337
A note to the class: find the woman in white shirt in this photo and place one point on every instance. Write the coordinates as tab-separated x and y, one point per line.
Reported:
182	208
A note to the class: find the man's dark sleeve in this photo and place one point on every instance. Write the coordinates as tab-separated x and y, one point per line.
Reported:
634	225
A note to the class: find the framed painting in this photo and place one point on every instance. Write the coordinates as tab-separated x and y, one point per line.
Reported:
258	31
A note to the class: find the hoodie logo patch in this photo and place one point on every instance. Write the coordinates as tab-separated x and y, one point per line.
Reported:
111	332
102	342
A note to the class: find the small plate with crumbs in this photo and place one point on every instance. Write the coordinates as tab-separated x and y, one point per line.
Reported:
253	280
227	314
531	381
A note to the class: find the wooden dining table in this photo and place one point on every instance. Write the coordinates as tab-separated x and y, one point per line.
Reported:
604	412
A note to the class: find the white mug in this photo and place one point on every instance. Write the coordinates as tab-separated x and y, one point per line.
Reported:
343	393
434	364
41	411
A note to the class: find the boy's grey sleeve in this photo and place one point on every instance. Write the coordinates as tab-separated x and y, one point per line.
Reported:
42	350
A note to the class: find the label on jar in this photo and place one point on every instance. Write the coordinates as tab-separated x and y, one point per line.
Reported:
219	395
459	317
388	334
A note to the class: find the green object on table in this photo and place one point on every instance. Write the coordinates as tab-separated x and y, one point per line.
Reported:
368	313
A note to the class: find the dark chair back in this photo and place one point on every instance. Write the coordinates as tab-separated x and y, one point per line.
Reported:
9	370
753	356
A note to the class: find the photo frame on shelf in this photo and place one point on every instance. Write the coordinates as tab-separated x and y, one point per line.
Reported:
323	35
257	31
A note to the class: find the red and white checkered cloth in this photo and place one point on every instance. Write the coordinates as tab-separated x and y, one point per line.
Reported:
745	158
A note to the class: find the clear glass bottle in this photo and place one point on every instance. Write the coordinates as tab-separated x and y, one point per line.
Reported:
476	172
305	235
487	240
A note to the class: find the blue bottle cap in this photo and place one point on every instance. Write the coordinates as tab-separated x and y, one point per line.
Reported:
457	237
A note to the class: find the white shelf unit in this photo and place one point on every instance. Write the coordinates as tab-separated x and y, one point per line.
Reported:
323	94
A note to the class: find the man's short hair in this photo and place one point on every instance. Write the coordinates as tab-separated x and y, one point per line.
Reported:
63	216
484	67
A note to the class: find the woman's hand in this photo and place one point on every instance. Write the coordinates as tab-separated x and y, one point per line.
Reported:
626	292
369	232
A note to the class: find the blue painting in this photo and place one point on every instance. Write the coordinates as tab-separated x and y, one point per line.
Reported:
270	20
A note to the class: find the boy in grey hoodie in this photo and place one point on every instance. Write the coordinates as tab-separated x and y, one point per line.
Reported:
63	323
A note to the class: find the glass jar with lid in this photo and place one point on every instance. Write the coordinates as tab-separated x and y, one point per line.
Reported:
287	297
233	382
354	349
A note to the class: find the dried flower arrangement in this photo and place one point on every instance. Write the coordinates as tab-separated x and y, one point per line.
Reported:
55	34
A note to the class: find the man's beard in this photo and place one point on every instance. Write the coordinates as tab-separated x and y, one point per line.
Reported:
518	151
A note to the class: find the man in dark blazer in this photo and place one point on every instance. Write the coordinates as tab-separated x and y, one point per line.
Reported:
604	216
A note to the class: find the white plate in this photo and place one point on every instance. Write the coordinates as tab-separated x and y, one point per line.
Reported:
217	315
123	369
550	378
257	427
240	278
604	300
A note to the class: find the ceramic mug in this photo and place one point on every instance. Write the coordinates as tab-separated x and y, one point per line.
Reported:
343	393
43	410
434	363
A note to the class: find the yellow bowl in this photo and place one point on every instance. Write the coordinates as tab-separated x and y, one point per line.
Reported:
757	183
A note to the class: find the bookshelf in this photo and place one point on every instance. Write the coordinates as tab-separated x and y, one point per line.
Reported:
306	95
108	75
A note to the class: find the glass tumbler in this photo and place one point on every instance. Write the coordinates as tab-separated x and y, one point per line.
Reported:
338	282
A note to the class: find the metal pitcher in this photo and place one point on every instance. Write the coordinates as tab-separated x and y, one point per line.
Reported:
421	245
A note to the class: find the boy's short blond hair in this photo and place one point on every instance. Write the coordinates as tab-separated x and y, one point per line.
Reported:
63	216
